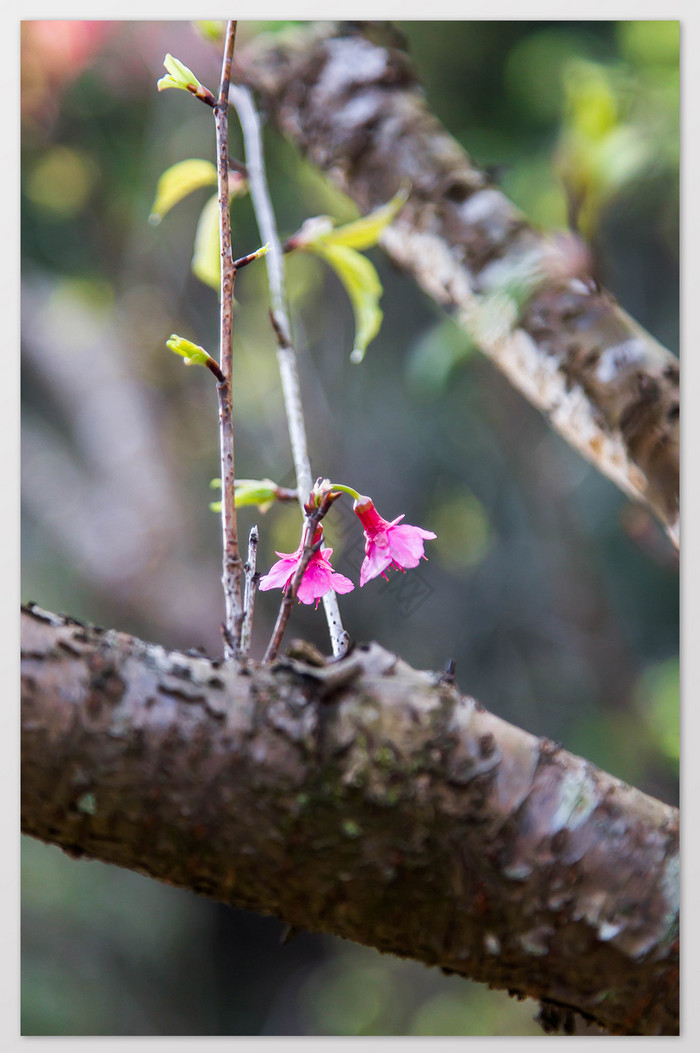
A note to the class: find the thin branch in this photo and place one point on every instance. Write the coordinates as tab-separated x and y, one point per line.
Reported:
286	355
251	580
309	550
310	545
232	567
245	260
285	493
214	367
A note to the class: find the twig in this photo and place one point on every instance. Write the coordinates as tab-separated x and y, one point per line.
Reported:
245	260
214	367
289	597
285	493
232	568
310	546
251	580
286	356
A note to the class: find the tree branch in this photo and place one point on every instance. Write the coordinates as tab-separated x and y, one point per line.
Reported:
361	798
232	564
355	109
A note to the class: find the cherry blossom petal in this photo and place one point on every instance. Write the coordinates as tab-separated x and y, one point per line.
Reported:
406	544
341	584
388	544
319	577
375	563
279	574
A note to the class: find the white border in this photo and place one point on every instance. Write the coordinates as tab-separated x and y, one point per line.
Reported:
687	12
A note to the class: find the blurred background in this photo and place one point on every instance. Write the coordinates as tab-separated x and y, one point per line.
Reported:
557	598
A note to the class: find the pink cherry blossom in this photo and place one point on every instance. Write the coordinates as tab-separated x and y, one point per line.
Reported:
319	577
387	544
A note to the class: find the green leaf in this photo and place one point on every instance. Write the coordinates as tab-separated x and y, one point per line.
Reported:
193	354
362	285
178	181
591	106
211	29
206	261
364	232
178	76
260	492
338	247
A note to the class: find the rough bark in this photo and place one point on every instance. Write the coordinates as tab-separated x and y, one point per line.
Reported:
354	108
361	798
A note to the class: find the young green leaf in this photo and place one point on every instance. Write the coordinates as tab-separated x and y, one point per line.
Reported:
362	286
193	354
338	247
178	76
178	181
260	492
364	232
206	261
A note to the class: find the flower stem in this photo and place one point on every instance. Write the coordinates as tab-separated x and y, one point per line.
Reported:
286	355
232	566
346	490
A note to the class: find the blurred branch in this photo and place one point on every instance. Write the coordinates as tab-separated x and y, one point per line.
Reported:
279	315
354	108
361	798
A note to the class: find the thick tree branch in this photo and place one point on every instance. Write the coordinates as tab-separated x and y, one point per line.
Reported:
361	798
354	109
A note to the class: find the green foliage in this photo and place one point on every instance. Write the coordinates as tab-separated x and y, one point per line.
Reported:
178	181
338	247
364	233
206	261
193	354
658	702
212	29
262	493
178	76
650	44
535	68
362	285
600	151
614	114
